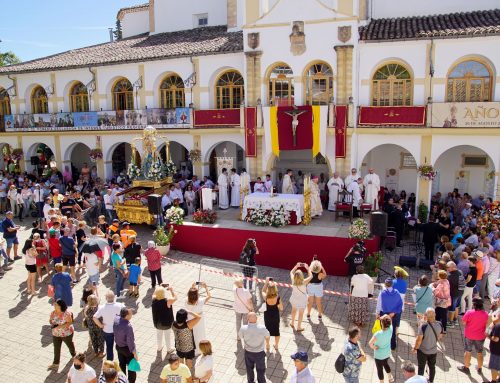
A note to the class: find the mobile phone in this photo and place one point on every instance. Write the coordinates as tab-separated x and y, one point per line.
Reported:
271	279
165	285
315	257
198	283
303	264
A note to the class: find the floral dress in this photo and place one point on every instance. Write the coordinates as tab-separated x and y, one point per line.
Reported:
60	319
95	333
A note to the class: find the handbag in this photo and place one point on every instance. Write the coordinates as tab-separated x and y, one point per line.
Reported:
50	291
377	326
340	363
241	300
134	365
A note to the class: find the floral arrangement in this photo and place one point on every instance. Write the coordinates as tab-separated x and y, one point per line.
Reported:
195	155
264	217
426	172
6	151
175	215
16	155
204	216
95	154
359	229
169	168
162	238
373	263
155	172
423	212
489	216
133	171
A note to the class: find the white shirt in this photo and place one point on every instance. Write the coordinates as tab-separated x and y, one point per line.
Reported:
165	200
91	261
108	312
416	379
108	201
177	194
46	209
203	365
303	376
85	375
361	285
241	297
38	195
259	187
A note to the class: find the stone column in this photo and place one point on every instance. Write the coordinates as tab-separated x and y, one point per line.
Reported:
344	73
253	77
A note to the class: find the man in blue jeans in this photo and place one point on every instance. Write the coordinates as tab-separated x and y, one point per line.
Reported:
390	302
104	319
10	234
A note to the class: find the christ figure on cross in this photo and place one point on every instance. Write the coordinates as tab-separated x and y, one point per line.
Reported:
295	113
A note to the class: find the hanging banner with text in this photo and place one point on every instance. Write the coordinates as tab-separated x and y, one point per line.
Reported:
251	132
466	115
340	131
391	115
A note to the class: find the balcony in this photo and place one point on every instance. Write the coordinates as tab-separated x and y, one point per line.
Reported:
179	118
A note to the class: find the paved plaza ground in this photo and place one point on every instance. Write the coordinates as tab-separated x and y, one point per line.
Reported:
26	343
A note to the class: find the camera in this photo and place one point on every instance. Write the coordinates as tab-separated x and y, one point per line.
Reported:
359	247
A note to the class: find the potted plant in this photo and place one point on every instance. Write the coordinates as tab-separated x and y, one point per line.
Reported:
175	214
423	212
426	172
163	239
372	264
95	154
359	230
195	155
204	216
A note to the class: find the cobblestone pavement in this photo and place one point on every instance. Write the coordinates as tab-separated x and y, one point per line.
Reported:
26	344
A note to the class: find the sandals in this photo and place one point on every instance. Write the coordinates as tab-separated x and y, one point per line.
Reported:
300	329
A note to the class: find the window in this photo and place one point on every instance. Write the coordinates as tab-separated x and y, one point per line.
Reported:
123	95
319	84
392	86
407	161
469	81
229	90
281	88
470	160
39	103
172	92
79	98
4	102
201	20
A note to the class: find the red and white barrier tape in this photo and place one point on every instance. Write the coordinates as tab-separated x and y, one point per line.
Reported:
260	280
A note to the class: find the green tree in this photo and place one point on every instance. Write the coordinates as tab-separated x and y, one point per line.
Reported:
118	30
9	58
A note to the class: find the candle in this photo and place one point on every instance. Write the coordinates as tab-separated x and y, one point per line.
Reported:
168	151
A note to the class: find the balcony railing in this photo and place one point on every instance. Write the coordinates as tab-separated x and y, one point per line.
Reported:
179	118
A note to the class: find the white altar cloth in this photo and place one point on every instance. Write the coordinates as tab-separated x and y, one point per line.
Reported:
290	202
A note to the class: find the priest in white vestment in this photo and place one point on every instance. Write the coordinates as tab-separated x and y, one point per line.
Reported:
352	177
235	188
245	180
268	184
223	184
335	184
287	187
316	207
356	195
372	188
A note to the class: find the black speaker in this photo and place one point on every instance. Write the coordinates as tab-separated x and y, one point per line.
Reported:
35	160
154	204
378	223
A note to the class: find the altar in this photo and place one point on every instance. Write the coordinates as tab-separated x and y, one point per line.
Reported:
293	203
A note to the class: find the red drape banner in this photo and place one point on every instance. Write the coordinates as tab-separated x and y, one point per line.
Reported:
217	117
304	133
340	131
251	132
392	115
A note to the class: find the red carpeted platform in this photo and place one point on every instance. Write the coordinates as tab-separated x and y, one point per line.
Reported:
281	250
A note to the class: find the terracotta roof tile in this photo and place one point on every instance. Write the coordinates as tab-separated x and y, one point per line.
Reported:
193	42
479	23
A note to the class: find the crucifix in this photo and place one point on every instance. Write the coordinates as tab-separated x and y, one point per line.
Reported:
295	113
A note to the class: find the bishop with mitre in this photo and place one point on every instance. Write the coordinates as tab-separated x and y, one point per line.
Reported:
335	184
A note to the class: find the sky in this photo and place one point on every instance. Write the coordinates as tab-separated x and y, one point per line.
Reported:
33	28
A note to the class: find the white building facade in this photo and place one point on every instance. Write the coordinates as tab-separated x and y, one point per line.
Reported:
172	68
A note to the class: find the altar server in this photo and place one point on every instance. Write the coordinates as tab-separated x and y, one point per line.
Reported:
269	183
259	186
372	188
356	195
287	187
223	184
335	184
316	207
245	180
235	188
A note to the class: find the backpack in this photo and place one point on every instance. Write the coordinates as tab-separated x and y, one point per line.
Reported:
340	364
461	281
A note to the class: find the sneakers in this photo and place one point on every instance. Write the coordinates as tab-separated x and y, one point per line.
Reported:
479	371
7	268
464	369
17	257
450	324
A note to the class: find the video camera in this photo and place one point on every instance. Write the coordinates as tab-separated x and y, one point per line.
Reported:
359	247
